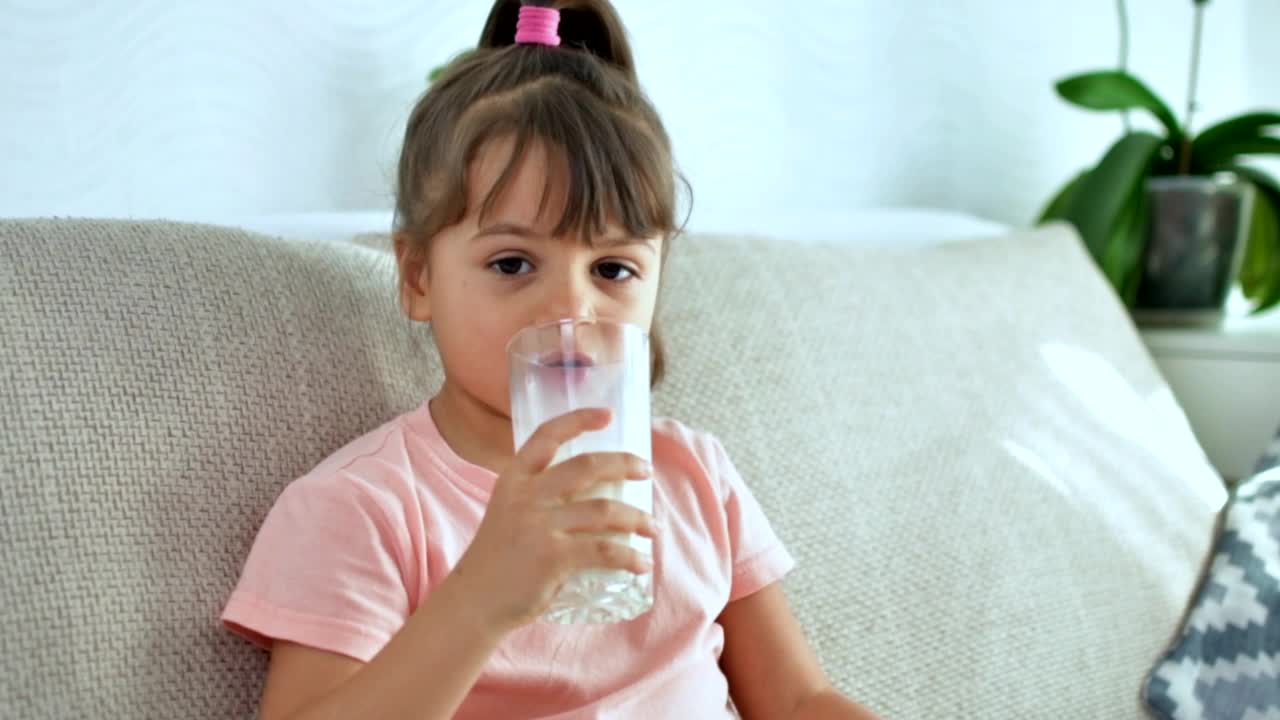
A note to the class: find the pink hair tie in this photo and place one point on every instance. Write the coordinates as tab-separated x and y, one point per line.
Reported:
538	26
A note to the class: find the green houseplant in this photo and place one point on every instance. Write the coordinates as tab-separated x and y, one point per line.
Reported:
1111	203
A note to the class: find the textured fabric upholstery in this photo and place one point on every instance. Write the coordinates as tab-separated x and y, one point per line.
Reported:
997	507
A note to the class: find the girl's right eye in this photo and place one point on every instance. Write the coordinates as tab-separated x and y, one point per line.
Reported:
511	265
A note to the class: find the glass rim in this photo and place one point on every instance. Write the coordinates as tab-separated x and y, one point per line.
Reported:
628	328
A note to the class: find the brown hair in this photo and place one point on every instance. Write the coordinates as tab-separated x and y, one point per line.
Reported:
582	100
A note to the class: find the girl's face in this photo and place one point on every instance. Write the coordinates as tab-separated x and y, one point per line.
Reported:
483	281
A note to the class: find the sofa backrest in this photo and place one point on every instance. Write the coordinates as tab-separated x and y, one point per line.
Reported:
997	507
163	382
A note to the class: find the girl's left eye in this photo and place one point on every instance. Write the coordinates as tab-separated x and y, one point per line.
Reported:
615	271
511	265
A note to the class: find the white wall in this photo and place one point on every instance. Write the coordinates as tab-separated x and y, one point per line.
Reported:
1263	55
1262	25
785	115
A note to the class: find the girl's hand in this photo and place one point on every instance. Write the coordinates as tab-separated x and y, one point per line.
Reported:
534	535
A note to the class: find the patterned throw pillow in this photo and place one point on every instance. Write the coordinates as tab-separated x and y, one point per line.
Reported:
1225	663
1271	456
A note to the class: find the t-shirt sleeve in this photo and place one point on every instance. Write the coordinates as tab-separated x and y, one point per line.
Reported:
324	572
758	556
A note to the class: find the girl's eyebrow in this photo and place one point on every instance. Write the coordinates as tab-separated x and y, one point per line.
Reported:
505	228
619	240
521	231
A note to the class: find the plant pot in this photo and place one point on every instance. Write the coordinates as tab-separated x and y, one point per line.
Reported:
1196	235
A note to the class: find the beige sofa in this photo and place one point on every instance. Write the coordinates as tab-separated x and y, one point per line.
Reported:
998	508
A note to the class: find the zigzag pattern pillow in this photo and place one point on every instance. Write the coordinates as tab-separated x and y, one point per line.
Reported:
1225	664
1271	457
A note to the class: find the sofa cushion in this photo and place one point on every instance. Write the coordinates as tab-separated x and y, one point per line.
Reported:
997	506
162	383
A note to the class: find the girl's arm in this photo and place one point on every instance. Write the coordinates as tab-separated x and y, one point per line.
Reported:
530	540
425	671
773	674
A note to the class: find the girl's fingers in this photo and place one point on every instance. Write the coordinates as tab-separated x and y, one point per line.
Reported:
595	552
601	515
584	472
541	447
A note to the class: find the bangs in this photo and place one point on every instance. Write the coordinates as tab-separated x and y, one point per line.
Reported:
611	167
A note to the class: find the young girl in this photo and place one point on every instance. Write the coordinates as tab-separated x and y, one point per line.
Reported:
403	576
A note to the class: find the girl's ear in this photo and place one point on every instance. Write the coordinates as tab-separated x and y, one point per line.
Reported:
414	288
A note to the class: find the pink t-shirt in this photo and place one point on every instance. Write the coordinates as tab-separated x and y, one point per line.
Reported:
353	547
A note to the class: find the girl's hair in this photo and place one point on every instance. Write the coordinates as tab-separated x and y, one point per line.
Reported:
581	101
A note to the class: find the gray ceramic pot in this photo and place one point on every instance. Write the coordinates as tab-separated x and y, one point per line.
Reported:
1195	244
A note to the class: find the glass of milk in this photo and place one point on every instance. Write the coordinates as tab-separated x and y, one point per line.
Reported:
570	364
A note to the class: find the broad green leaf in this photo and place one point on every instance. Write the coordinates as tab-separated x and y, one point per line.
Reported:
1099	204
1262	145
1254	175
1116	90
1241	126
1260	276
1243	136
1260	272
1122	256
1229	151
1059	205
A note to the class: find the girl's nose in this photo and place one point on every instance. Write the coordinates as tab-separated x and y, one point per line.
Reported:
568	298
